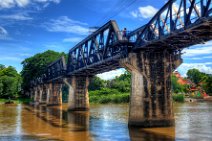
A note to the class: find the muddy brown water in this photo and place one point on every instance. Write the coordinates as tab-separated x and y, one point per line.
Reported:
193	121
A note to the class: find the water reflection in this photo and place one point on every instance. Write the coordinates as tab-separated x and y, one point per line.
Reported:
102	123
138	134
57	123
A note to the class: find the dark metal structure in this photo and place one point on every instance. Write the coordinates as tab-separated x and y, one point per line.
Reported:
177	25
99	52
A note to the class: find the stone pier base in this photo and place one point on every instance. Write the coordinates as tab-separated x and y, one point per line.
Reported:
54	94
150	99
78	93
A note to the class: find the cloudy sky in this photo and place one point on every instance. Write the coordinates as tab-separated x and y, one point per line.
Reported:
28	27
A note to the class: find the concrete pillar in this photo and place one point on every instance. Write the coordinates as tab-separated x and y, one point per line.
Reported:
49	91
78	93
36	94
150	99
54	94
40	94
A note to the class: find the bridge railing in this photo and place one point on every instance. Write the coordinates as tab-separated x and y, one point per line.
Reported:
174	16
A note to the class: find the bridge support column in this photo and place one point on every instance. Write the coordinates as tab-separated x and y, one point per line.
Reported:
54	94
78	93
36	97
150	99
41	93
49	91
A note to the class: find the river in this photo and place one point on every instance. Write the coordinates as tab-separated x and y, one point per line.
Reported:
193	121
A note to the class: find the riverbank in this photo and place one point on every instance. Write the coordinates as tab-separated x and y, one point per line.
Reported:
14	101
106	95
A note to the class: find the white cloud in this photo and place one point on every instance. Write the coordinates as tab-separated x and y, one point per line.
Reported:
65	24
205	49
45	1
23	3
201	58
18	16
203	67
7	3
111	74
3	33
144	12
74	39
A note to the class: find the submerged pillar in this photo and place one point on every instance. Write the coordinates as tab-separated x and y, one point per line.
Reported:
54	94
78	93
150	99
36	97
40	94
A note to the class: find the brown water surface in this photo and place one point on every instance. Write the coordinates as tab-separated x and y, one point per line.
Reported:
102	123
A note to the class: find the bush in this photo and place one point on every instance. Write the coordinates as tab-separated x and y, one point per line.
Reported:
178	97
106	95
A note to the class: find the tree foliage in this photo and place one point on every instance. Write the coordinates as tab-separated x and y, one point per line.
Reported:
35	65
208	85
176	87
196	76
96	84
10	82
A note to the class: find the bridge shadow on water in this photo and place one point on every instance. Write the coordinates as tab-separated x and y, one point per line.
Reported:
97	128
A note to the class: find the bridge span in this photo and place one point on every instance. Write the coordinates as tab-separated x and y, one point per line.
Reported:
150	53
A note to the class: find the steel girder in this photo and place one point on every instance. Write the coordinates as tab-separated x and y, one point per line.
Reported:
178	24
102	48
56	70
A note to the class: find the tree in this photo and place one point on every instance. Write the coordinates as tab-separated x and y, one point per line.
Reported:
10	82
121	83
34	66
208	85
176	87
196	76
96	83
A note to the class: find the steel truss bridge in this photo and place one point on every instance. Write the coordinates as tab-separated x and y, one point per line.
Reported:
177	25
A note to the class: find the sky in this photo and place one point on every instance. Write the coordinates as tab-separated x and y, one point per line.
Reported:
28	27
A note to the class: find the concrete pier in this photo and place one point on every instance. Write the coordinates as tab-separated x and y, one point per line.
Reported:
150	99
78	93
54	94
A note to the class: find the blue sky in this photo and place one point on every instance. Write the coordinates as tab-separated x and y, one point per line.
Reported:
28	27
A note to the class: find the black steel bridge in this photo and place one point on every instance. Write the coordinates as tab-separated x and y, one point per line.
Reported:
150	53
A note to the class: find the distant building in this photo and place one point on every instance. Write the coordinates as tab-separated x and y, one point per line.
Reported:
182	80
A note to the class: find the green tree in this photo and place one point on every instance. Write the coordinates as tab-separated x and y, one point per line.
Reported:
35	65
176	87
10	82
208	85
121	83
196	76
96	83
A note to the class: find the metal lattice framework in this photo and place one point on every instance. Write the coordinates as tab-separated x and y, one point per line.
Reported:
99	52
56	70
178	24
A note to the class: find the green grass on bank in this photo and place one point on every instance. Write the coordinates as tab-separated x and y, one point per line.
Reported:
106	95
178	97
15	101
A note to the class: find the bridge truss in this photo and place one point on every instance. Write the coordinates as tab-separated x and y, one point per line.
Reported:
177	25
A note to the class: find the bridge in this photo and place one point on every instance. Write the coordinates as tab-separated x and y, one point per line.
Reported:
150	53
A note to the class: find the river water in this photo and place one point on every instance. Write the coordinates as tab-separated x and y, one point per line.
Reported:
193	121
